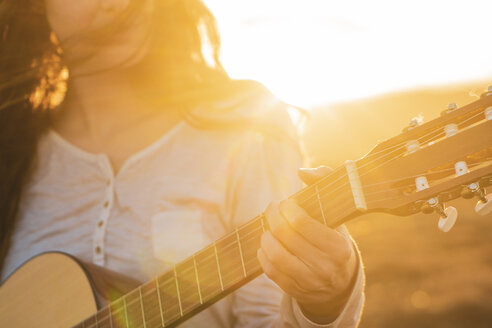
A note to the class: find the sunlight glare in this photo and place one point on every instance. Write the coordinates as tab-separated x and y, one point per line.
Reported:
317	52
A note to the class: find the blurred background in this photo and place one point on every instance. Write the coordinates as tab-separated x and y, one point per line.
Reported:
363	69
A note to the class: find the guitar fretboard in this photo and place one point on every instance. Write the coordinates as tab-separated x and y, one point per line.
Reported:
218	269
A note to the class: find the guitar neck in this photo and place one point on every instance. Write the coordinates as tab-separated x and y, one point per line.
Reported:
220	268
389	176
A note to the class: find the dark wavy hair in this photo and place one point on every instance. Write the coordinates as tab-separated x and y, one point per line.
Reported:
34	79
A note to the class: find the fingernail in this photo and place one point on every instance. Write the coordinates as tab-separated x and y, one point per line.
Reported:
306	170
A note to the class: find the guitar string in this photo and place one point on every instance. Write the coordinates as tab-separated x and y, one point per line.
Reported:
385	150
245	239
171	280
253	231
226	249
405	178
227	273
258	228
404	142
472	165
437	137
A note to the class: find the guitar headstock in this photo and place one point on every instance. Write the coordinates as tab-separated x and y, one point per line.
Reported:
432	163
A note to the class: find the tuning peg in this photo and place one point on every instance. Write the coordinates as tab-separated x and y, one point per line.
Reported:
451	129
451	107
487	93
484	206
488	113
412	146
448	219
414	122
447	216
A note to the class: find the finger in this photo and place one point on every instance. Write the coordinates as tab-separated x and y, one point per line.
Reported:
289	264
311	175
321	263
326	239
287	284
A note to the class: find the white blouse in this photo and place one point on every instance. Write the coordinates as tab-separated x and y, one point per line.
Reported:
169	200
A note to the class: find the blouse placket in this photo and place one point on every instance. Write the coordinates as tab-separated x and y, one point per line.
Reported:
98	249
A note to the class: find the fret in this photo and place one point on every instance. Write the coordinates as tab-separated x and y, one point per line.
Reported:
169	297
103	318
89	322
197	280
250	235
177	289
134	309
126	312
141	306
218	266
334	199
150	305
221	266
160	300
230	261
344	206
208	273
264	222
188	287
110	314
118	313
320	206
240	252
151	310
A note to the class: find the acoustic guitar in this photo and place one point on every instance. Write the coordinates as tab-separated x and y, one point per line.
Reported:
418	170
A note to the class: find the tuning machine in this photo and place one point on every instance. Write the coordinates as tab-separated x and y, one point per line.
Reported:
451	107
484	204
487	93
414	122
484	207
475	189
447	215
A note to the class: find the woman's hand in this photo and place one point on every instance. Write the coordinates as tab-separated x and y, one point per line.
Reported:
308	260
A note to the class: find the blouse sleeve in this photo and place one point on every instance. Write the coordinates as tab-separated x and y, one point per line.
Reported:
266	171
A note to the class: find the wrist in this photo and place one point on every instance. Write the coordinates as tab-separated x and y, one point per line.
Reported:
322	313
329	311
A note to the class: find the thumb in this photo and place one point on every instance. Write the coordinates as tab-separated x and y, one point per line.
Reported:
311	175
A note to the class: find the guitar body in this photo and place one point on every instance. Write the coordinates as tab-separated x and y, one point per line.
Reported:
56	290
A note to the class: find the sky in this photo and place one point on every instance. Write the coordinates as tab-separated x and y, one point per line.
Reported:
315	52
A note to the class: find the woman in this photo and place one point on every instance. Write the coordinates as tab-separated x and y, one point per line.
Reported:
125	143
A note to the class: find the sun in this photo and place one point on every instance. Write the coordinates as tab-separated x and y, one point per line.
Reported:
319	52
